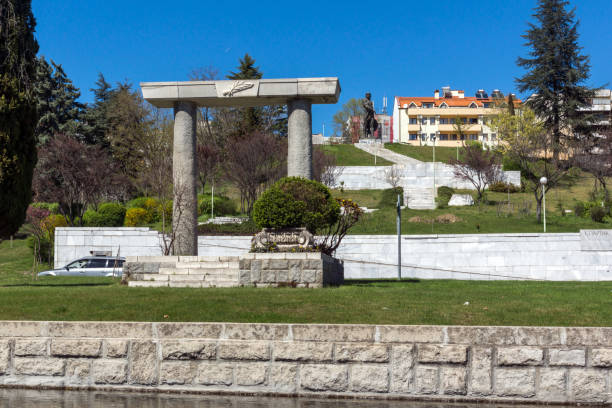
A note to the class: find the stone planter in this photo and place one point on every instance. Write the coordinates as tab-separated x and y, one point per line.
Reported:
302	269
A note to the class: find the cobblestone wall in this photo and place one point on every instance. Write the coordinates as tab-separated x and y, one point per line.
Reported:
526	364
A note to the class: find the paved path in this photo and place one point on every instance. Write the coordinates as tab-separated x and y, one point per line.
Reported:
386	153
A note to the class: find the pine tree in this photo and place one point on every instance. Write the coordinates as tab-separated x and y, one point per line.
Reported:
18	116
96	116
556	71
57	102
251	118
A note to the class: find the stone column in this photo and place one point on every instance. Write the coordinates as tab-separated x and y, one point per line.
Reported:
184	169
299	155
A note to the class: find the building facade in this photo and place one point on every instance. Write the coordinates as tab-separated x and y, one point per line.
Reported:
449	118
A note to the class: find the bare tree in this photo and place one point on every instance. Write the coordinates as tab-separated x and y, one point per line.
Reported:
74	175
324	167
393	175
253	163
477	166
209	158
596	158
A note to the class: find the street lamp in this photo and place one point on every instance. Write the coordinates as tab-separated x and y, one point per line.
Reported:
543	182
434	165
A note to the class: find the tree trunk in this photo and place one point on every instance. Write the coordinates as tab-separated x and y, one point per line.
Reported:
538	206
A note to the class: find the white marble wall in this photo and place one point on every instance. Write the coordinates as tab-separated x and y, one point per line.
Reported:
562	256
413	176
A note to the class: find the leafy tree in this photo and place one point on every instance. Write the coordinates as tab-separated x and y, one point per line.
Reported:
556	72
129	121
530	146
596	158
18	116
342	119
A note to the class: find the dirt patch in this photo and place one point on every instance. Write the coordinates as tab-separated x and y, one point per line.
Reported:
447	219
418	219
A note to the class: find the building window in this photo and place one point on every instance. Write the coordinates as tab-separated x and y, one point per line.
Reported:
473	137
432	136
493	136
428	105
485	136
423	121
413	121
423	136
464	120
432	121
462	137
453	137
444	121
452	121
473	121
487	104
412	136
443	136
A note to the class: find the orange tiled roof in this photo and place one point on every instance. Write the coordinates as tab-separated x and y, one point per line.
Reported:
451	102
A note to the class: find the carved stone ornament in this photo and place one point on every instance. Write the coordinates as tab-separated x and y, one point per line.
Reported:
238	86
284	239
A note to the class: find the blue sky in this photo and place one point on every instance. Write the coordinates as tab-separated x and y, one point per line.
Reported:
393	48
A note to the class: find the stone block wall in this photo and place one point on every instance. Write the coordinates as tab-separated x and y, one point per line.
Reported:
511	364
302	269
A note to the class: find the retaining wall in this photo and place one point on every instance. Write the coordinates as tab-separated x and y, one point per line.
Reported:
411	176
519	364
584	256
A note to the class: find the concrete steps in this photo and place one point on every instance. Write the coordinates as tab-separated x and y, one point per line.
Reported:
193	272
419	198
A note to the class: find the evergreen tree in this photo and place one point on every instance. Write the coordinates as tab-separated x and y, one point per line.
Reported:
18	116
58	108
556	71
96	116
251	118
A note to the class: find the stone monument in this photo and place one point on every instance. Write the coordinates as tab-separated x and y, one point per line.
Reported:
369	121
184	97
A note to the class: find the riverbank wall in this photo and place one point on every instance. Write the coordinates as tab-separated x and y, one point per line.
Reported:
494	364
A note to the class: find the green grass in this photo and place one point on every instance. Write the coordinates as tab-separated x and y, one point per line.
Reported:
424	153
366	301
349	155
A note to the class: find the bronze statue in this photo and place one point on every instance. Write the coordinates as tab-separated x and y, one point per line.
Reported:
369	122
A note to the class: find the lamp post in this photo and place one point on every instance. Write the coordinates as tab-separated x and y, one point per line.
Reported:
434	165
543	182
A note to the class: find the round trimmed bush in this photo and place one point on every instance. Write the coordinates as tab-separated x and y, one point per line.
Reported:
136	217
444	195
579	209
277	209
138	202
108	215
296	202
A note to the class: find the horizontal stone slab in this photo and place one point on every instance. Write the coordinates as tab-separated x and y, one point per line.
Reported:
248	92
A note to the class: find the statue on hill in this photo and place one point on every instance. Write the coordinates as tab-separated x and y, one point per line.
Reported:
369	122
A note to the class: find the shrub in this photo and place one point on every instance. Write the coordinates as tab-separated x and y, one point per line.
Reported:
108	215
138	202
47	239
296	202
508	164
388	198
598	214
501	187
277	209
152	207
444	195
136	217
53	208
223	205
579	209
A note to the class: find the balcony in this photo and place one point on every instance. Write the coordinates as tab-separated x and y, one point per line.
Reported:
466	128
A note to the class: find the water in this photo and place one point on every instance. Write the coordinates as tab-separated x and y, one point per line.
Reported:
15	398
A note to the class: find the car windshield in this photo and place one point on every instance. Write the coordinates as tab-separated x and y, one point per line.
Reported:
77	264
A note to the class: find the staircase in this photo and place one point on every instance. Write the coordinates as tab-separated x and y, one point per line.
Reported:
379	150
199	272
419	198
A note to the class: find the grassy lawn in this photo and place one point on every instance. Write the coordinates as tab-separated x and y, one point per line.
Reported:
368	301
424	153
349	155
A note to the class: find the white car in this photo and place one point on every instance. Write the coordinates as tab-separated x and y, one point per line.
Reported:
90	266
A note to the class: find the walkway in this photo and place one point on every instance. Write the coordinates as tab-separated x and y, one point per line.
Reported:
379	150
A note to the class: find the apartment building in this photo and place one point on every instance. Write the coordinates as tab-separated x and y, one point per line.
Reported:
421	121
